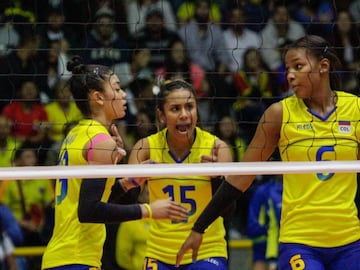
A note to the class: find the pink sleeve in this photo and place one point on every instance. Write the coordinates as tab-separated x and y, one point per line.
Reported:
94	141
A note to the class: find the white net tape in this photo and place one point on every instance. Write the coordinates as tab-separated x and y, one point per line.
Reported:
144	170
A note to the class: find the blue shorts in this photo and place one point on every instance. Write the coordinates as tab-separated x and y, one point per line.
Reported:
74	267
213	263
298	257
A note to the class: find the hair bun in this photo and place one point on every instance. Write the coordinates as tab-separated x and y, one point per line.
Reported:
75	65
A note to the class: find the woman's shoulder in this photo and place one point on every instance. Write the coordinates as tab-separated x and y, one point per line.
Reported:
90	128
276	107
345	94
347	99
143	143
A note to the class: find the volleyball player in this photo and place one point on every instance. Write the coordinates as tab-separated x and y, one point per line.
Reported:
181	141
81	204
319	227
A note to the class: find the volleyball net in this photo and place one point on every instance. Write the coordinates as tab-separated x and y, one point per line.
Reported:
50	35
46	34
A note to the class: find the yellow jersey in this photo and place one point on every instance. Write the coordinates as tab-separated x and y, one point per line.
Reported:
73	242
319	208
193	192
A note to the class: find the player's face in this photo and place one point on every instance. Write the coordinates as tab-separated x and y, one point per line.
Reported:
180	112
303	72
114	98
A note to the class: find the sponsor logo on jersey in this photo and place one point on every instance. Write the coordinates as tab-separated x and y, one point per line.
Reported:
307	126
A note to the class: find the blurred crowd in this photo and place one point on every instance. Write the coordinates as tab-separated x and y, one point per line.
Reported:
230	51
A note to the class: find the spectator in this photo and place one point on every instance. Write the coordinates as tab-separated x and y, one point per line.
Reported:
27	200
227	129
137	67
156	37
207	107
133	77
137	11
278	32
61	111
186	12
52	69
179	66
238	38
17	66
346	40
21	15
316	16
254	86
27	114
257	13
54	29
204	40
142	91
103	44
205	43
140	97
7	142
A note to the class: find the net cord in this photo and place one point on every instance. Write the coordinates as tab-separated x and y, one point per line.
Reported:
146	170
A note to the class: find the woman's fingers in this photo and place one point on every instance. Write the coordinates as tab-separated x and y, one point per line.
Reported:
116	136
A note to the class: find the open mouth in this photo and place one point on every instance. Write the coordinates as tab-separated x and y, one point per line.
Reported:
183	128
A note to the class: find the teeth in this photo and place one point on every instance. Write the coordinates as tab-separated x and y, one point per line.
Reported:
182	128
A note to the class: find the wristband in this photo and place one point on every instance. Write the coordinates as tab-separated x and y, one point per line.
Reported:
132	180
148	208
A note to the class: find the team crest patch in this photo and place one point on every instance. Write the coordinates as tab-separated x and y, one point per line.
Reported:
344	127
